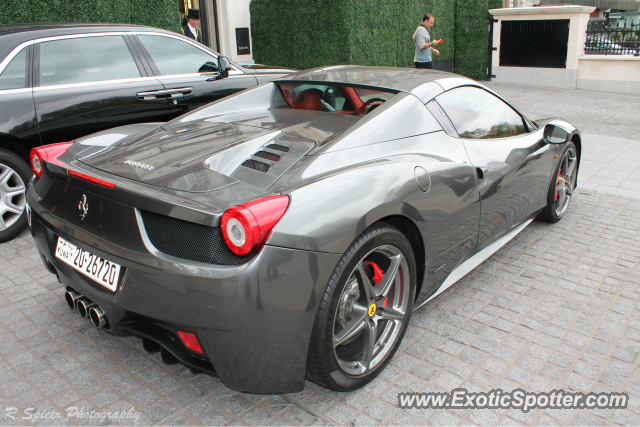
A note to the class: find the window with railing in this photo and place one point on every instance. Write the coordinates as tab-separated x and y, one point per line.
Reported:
612	38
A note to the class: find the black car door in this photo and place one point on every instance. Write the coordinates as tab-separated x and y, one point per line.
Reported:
511	161
188	71
91	82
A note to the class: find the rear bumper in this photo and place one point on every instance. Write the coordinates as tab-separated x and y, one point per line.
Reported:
253	321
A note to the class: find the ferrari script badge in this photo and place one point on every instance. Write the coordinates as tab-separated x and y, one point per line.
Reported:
139	165
83	206
372	309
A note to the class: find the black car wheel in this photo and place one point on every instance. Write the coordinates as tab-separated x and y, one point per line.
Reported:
14	176
364	311
563	183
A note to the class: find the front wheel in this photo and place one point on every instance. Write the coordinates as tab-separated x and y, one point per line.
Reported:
563	183
364	311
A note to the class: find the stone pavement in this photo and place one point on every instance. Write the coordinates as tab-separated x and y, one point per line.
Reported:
558	307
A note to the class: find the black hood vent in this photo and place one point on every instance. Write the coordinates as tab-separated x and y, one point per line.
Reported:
254	164
188	240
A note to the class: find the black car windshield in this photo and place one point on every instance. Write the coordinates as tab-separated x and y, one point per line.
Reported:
333	97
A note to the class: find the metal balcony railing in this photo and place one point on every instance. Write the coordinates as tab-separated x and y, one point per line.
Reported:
607	38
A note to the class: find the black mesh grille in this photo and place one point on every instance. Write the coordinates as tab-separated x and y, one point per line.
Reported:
278	147
267	155
187	240
254	164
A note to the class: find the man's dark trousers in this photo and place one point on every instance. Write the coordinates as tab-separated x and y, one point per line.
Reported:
428	65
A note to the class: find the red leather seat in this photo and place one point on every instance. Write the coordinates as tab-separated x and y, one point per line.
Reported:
308	100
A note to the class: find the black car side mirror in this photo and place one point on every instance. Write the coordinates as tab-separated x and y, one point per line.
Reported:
223	66
556	135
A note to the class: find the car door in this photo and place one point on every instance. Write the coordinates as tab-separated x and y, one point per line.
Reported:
189	71
511	160
17	115
91	82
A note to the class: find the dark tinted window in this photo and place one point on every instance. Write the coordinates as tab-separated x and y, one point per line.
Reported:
86	59
478	114
173	56
14	76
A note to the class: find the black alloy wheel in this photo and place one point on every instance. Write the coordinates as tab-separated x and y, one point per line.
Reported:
364	311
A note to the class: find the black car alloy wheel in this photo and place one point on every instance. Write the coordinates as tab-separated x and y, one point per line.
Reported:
364	311
14	175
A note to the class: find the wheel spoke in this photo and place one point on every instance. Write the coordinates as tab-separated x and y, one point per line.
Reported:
369	344
356	324
364	281
389	313
3	225
13	191
5	175
382	289
561	197
571	166
10	207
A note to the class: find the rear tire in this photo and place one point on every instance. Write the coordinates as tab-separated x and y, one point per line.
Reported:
14	177
364	311
562	185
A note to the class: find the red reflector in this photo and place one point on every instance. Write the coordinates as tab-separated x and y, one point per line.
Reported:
92	179
190	341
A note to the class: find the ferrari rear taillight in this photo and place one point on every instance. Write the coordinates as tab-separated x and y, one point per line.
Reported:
47	153
246	227
190	341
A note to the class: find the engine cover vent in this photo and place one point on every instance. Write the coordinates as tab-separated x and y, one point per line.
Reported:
278	147
267	155
254	164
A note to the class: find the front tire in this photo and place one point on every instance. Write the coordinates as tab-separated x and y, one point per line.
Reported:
563	183
14	176
364	311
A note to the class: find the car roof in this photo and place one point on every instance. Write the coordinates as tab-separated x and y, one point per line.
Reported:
12	35
423	83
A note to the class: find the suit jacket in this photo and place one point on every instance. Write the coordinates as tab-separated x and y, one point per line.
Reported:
187	32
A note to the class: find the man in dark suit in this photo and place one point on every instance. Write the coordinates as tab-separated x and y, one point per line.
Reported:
191	29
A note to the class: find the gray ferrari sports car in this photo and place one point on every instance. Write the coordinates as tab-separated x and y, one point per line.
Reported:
288	231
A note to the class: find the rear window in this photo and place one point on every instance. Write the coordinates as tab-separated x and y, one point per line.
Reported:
333	97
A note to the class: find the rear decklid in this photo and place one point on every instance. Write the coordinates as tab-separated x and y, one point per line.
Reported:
253	147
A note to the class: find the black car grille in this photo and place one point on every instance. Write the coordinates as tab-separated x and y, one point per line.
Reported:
190	241
254	164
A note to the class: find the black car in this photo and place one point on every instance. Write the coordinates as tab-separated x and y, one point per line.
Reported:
59	82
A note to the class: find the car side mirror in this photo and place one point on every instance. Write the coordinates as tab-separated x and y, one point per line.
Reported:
555	134
223	66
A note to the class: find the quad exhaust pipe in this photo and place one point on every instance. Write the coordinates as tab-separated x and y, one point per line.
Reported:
86	308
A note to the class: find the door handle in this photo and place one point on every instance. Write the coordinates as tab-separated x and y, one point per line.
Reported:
154	94
168	93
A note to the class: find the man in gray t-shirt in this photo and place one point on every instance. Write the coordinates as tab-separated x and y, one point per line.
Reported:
424	45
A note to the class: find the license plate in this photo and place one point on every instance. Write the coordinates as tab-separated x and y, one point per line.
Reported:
98	269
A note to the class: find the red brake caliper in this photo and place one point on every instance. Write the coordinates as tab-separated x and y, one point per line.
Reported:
558	182
377	277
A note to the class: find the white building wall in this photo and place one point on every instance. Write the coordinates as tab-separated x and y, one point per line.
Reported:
233	14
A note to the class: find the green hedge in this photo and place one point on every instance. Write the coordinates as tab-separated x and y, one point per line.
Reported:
312	33
155	13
